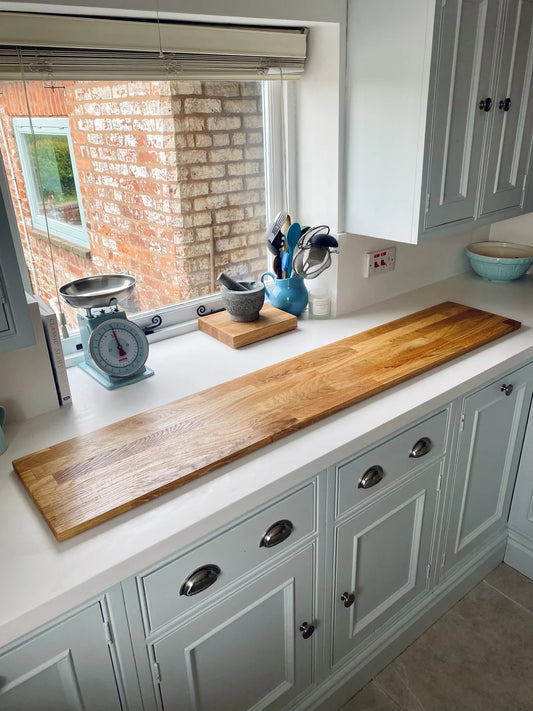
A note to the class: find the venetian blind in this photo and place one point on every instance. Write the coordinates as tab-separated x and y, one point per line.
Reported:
71	47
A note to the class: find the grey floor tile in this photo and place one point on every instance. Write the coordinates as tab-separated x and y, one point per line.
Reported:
477	657
371	698
513	584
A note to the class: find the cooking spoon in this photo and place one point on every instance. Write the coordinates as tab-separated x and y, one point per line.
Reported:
293	235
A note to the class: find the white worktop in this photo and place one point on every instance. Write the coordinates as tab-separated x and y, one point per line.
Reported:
42	578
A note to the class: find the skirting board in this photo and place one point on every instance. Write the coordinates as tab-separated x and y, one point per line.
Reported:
519	554
357	671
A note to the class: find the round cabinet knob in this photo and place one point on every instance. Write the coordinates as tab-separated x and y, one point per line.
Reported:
371	477
423	446
485	104
276	534
505	104
306	629
507	389
200	580
348	599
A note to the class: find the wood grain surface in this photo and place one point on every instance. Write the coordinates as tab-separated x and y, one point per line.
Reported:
91	478
271	322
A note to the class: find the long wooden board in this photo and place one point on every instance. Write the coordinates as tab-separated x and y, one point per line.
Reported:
91	478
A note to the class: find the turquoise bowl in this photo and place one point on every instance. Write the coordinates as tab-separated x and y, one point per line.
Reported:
499	261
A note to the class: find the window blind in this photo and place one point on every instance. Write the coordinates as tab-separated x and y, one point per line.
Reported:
71	47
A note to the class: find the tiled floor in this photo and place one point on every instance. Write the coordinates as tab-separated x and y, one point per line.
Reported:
477	657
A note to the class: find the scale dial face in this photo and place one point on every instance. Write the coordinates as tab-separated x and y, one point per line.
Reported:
118	347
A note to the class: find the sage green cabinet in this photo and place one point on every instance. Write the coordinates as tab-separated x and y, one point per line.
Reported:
67	667
252	649
491	431
439	120
382	557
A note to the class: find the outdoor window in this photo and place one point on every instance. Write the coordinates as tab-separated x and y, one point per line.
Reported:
50	177
162	158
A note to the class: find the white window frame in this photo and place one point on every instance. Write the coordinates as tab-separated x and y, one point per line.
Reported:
44	222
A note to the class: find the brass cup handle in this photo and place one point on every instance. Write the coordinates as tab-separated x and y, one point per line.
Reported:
507	389
348	599
276	534
371	477
200	580
306	629
420	448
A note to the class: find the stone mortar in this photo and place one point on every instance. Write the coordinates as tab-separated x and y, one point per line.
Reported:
244	305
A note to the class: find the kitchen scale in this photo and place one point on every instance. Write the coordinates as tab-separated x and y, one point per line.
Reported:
115	349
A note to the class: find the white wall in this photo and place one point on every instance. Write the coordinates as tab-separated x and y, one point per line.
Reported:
519	229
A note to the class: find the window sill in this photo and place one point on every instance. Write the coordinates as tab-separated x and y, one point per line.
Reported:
62	243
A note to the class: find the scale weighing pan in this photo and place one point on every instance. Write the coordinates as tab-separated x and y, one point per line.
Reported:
97	291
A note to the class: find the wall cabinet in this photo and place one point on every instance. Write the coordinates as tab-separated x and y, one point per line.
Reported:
452	78
296	604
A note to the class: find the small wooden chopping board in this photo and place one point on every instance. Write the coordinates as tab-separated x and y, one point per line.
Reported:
91	478
271	322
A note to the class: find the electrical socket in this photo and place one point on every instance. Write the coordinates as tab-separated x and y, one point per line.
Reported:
380	261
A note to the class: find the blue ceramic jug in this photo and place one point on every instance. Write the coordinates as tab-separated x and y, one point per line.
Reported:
286	294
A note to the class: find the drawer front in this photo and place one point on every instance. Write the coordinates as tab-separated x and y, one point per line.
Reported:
380	467
208	569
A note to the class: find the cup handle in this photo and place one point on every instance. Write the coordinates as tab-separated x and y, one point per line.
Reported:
2	415
263	280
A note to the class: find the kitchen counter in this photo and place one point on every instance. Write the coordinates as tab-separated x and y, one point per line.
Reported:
43	578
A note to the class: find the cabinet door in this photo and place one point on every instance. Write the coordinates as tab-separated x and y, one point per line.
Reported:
492	422
507	155
66	668
521	516
382	559
468	33
247	651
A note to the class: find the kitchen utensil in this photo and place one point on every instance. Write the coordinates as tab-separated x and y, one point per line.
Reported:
499	261
276	266
244	306
230	283
312	254
324	240
284	263
115	349
275	227
287	294
285	226
293	235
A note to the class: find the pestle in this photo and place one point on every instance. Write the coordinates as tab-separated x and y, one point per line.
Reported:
230	283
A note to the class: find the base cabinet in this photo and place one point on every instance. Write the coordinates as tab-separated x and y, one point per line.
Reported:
382	559
65	668
252	650
491	431
297	604
519	553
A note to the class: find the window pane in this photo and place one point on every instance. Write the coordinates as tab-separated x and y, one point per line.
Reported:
52	177
171	180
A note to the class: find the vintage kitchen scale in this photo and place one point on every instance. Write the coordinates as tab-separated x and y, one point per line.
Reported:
115	349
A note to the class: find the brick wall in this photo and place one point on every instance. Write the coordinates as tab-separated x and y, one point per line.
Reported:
172	182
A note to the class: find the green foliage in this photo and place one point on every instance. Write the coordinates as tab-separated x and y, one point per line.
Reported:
55	166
